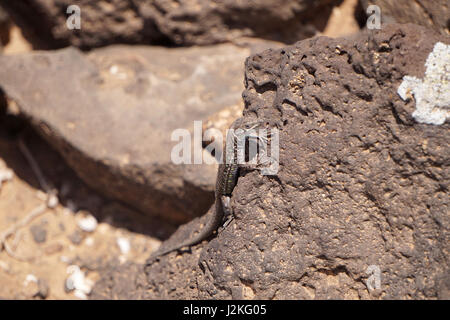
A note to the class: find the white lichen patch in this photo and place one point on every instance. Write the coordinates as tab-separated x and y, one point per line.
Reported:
432	93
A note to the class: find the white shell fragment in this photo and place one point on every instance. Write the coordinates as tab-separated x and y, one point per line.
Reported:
30	278
5	175
88	223
432	93
124	245
52	201
77	282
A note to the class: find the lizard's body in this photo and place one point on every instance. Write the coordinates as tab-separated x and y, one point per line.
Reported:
227	175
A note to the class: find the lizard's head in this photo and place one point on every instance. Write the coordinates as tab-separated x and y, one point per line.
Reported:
248	128
245	132
247	124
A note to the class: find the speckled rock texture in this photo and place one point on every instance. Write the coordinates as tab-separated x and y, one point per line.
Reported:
361	185
111	114
185	22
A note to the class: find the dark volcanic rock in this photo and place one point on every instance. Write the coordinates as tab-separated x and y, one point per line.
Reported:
209	22
111	115
361	185
43	289
433	14
171	21
102	22
120	282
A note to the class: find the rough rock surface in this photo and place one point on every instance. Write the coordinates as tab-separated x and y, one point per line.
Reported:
124	281
39	233
5	25
111	114
102	22
361	185
216	21
432	14
183	22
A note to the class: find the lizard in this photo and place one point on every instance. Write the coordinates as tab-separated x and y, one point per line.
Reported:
227	175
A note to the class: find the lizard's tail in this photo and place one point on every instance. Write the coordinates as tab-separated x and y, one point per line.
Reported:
213	221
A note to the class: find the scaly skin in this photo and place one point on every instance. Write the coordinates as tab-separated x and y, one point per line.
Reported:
227	175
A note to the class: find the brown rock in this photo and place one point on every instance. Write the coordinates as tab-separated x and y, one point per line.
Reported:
43	289
102	22
362	188
183	22
76	237
111	115
432	14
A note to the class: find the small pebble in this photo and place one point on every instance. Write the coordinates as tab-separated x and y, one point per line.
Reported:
68	285
114	69
43	289
124	245
80	294
39	233
88	223
30	278
77	282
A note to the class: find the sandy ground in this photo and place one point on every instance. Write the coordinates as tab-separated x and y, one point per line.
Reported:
55	245
84	229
